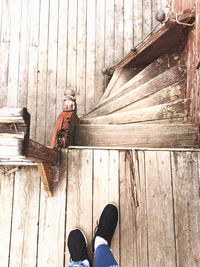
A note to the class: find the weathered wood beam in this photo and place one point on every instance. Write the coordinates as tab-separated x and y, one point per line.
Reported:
162	41
41	153
159	112
47	176
138	135
14	115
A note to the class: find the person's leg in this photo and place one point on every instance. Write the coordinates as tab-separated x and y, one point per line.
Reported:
103	237
77	245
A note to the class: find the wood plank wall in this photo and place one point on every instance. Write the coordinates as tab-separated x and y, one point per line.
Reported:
157	193
46	45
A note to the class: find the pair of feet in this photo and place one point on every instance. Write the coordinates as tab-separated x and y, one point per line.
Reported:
77	243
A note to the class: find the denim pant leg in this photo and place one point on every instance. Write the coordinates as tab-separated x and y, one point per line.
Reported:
104	257
76	264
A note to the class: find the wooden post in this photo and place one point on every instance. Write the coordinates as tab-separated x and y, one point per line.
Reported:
47	175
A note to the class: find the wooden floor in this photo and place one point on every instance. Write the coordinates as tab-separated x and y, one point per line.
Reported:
157	192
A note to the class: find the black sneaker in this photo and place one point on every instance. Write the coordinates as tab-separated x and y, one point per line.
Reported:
77	245
107	224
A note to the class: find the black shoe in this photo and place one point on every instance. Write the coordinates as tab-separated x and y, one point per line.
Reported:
77	245
107	224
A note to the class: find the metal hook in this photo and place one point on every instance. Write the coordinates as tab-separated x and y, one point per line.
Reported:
183	23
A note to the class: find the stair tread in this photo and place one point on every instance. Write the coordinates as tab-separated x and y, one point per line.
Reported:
152	70
158	112
167	78
120	77
138	135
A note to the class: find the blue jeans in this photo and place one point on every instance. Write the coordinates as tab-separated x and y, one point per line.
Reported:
103	258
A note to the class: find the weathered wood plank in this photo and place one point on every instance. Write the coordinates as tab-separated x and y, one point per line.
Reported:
137	26
23	54
106	185
41	152
42	72
156	45
138	135
165	95
161	243
79	207
164	111
72	44
14	50
118	30
185	175
161	81
127	211
157	67
128	25
6	201
125	76
33	64
100	49
51	240
52	70
25	218
62	54
81	57
4	51
90	55
112	82
47	175
14	115
141	211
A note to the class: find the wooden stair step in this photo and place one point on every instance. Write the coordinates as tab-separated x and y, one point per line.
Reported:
120	77
167	78
168	94
138	135
172	110
155	68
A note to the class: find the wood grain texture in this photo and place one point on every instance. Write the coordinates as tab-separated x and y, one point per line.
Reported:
79	207
32	86
106	185
23	251
128	212
165	95
154	113
137	135
48	45
161	243
169	77
151	71
51	240
185	175
6	204
141	211
52	70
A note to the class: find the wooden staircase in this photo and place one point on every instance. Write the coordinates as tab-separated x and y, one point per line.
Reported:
147	110
145	103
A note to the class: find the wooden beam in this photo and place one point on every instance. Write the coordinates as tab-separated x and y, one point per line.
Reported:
138	135
159	112
41	153
161	42
47	176
14	115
